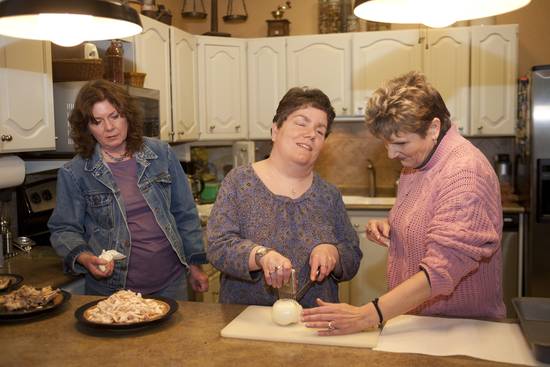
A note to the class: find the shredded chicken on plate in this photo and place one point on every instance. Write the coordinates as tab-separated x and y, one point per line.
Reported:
28	297
5	282
125	307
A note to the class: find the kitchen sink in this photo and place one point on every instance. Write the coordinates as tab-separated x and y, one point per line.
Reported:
364	200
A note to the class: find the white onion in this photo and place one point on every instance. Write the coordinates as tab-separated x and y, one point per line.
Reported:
285	312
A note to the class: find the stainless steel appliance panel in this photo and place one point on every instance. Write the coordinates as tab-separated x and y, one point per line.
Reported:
533	177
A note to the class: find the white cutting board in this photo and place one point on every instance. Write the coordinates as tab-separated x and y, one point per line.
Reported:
255	323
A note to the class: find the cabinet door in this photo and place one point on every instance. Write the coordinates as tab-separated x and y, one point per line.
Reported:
493	84
379	56
222	88
26	96
447	65
266	84
371	279
185	123
322	62
243	153
152	56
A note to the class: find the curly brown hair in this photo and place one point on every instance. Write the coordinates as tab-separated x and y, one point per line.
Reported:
405	104
82	114
297	98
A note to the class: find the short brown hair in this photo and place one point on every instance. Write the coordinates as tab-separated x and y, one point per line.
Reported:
82	114
297	98
405	104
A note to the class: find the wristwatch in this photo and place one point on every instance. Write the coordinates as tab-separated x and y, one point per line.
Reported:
262	251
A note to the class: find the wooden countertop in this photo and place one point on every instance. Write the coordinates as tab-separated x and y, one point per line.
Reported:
39	268
189	337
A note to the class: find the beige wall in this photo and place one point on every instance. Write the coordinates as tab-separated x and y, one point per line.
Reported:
534	27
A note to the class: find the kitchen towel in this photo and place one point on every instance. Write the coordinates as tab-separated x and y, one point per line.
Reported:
12	171
438	336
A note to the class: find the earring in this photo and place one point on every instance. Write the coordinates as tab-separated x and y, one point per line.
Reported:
435	142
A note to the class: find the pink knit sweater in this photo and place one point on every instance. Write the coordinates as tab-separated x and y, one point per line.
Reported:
447	219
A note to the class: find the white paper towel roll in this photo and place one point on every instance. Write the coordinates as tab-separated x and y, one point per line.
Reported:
12	171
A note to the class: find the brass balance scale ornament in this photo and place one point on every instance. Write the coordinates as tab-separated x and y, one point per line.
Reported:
229	18
278	26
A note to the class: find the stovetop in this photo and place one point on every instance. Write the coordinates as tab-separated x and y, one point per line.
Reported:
35	204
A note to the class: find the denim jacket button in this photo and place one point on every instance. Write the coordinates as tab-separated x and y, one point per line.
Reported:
123	267
127	244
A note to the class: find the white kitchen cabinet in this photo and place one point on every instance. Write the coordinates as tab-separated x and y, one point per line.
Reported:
152	56
371	279
266	83
185	121
446	63
243	153
442	54
222	88
323	62
494	78
26	96
379	56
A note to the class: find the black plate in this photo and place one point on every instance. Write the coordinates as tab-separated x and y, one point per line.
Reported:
16	279
60	299
173	307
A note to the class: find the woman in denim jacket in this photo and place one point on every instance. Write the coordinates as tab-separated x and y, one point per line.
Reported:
126	193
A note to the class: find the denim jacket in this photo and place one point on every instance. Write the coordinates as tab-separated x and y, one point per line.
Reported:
89	214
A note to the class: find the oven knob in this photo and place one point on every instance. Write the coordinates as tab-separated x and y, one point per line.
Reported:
35	198
47	195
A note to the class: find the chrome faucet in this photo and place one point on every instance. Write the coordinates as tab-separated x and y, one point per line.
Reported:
372	179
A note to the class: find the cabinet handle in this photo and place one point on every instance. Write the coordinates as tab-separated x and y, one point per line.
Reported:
356	225
344	108
238	127
181	132
461	128
243	149
360	108
171	133
212	127
480	127
7	138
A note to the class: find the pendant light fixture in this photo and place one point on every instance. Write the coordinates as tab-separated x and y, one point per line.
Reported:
433	13
68	22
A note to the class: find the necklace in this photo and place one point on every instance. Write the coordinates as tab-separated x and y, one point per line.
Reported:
117	160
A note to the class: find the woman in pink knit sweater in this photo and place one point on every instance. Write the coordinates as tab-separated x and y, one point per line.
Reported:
445	227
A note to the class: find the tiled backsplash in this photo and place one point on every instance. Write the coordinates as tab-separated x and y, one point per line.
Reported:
343	161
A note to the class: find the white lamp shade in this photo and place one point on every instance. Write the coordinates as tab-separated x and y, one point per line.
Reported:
426	11
68	22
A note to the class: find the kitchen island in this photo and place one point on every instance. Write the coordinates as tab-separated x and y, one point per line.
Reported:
190	337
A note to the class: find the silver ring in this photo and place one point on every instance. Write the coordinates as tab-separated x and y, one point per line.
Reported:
277	268
272	272
330	327
368	231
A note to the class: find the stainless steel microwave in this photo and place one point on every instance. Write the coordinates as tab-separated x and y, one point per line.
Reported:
64	95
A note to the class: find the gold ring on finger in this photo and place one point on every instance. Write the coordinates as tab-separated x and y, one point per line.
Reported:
368	231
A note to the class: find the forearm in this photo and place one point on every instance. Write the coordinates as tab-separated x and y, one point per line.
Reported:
402	299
